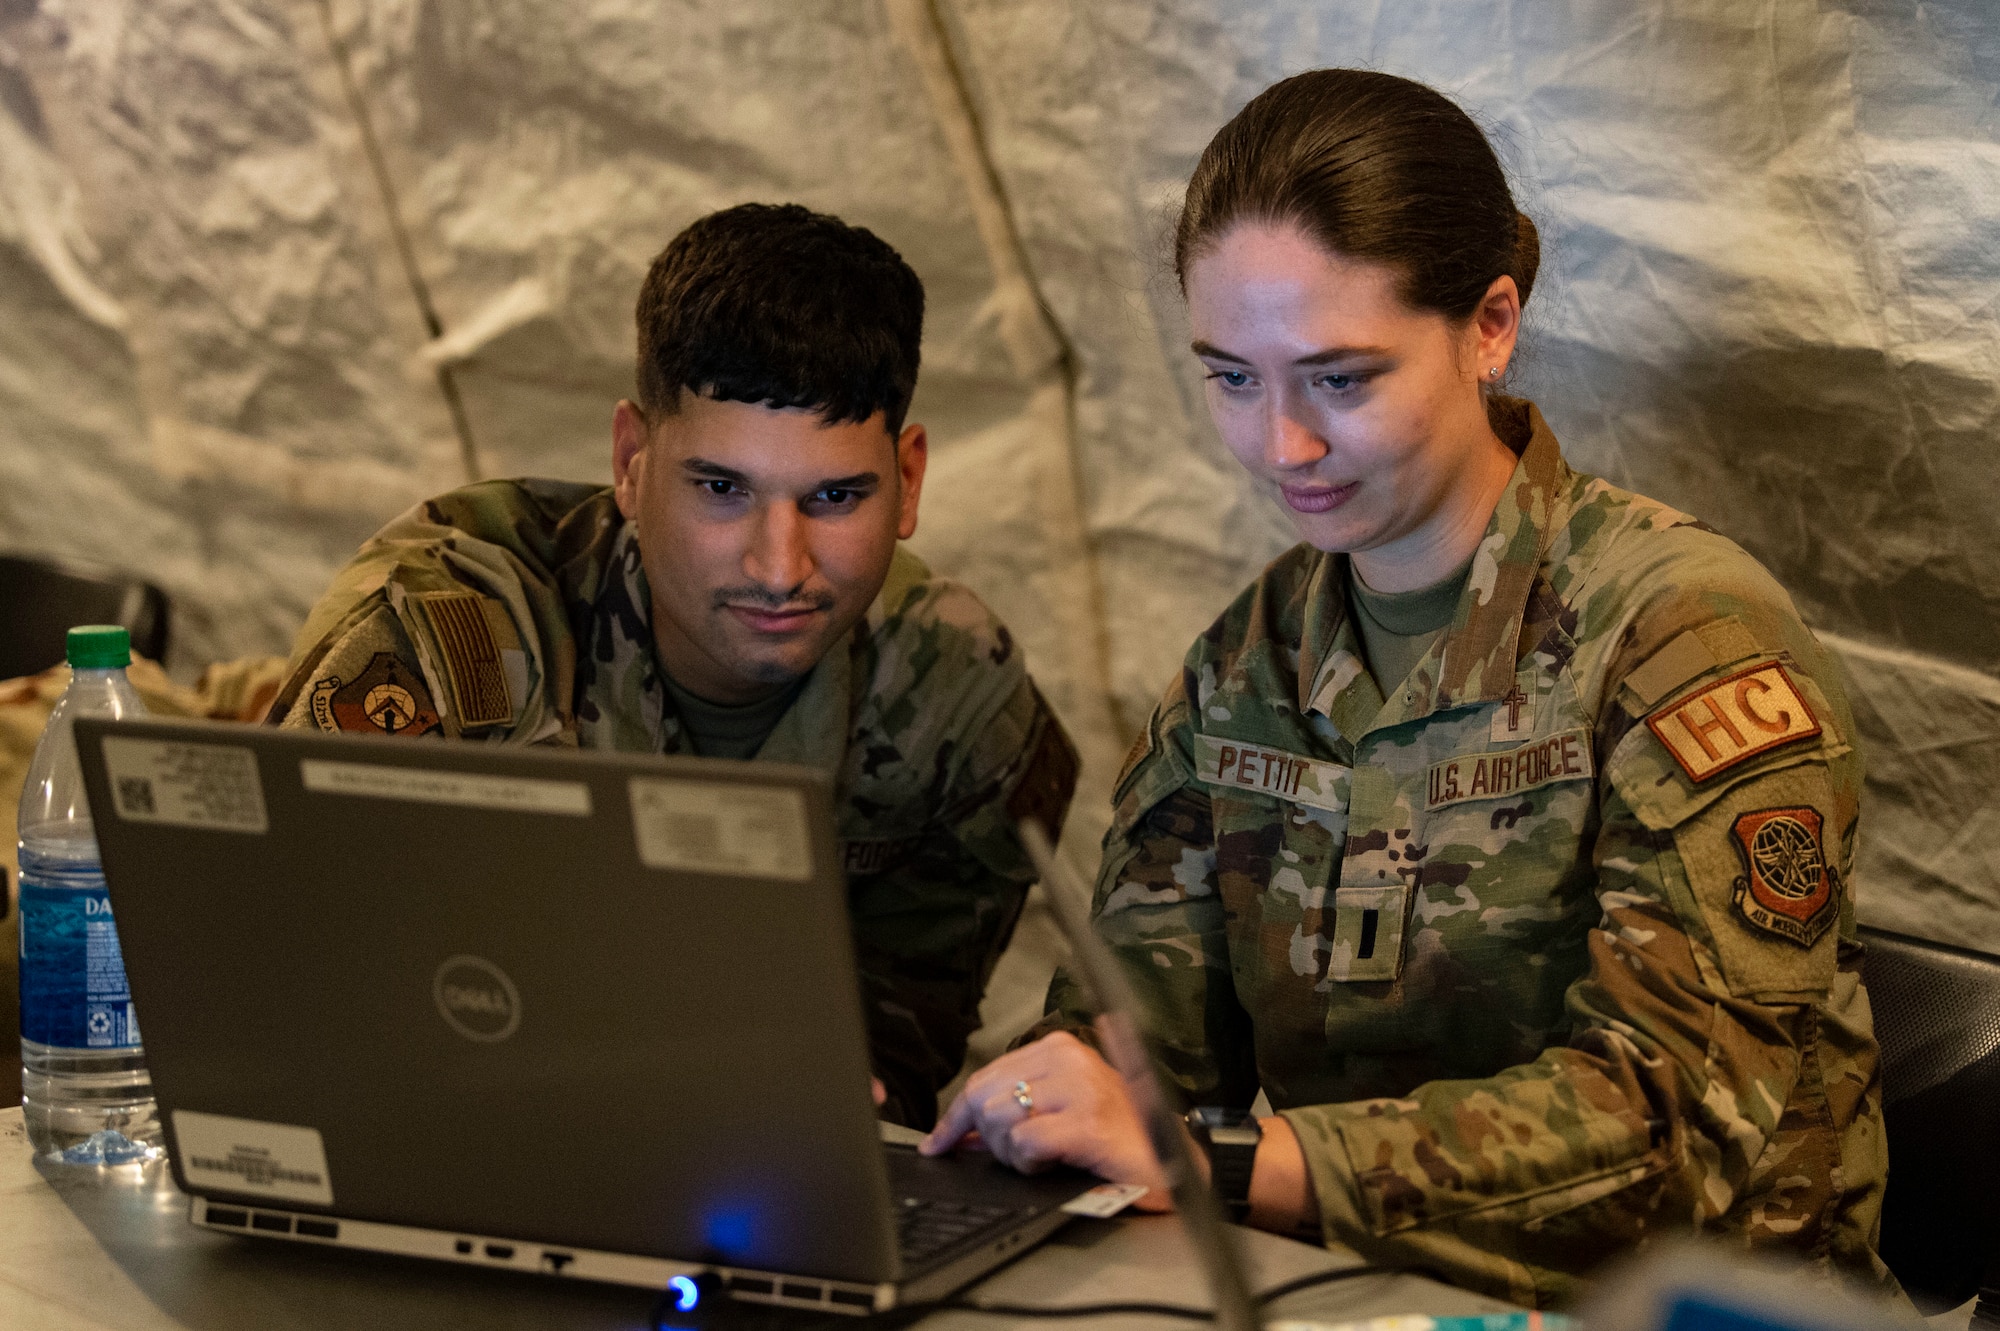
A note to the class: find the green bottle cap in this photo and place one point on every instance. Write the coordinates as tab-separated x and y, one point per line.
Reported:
99	647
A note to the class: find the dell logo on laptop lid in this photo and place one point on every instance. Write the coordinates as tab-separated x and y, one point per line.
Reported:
476	998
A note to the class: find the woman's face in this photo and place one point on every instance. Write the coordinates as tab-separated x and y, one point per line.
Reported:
1364	415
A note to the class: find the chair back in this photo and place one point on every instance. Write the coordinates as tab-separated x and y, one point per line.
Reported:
40	600
1937	1018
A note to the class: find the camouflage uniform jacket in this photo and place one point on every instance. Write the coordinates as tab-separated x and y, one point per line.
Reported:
1552	947
517	611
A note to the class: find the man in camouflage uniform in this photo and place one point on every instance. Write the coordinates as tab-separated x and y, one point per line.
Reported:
1550	948
774	343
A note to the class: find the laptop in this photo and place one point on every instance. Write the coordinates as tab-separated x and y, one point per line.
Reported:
588	1015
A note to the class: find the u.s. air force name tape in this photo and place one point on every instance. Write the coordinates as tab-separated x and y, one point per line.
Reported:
1485	776
1233	765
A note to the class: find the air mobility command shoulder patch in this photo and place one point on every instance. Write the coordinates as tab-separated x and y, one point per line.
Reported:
1722	724
1788	889
388	697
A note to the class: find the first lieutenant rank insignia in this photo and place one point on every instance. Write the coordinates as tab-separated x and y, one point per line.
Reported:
1233	765
1788	890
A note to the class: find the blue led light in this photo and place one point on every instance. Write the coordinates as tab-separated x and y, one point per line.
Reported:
731	1228
686	1293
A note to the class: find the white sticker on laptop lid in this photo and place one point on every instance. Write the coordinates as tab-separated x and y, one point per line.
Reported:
1105	1200
243	1155
749	831
185	785
429	786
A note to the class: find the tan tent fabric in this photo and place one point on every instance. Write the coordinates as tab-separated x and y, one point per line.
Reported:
272	269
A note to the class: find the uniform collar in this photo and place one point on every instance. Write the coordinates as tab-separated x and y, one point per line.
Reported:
813	732
1474	661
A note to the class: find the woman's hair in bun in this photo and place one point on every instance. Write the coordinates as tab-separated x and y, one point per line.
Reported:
1373	167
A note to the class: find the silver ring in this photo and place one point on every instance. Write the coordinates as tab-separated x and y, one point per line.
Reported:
1024	1097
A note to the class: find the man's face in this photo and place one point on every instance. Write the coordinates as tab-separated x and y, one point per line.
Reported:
764	531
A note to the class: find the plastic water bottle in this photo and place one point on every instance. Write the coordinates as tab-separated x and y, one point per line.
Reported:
85	1092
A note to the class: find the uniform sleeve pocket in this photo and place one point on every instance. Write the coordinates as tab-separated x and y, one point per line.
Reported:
1762	871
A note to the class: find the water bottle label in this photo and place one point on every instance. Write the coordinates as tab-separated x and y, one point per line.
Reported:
73	990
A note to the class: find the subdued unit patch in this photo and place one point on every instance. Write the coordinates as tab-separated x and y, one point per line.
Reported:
471	658
1788	887
1713	856
388	697
1747	713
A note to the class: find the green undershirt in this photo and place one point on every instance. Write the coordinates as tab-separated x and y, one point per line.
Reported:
721	731
1397	628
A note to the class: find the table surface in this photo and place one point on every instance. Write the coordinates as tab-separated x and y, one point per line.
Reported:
111	1250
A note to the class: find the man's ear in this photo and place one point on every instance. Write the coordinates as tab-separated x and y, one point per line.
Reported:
913	454
630	433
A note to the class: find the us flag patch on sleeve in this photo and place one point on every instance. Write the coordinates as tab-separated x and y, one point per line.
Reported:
1722	724
471	658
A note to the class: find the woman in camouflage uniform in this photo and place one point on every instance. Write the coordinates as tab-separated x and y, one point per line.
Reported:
1501	831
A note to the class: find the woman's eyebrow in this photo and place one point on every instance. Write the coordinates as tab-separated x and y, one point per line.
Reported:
1332	354
1325	356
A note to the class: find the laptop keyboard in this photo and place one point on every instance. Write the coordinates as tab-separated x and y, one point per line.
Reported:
925	1227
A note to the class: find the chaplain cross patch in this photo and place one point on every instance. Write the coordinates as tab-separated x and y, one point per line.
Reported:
1788	887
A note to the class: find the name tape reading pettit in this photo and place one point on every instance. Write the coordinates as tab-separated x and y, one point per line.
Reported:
744	830
424	785
277	1160
1233	765
211	786
1485	776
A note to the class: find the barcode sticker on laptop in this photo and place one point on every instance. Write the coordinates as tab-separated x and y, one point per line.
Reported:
185	785
748	831
244	1155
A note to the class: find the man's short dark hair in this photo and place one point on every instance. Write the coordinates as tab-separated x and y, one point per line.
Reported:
782	306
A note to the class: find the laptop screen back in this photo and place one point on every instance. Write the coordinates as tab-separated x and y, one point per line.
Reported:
598	1000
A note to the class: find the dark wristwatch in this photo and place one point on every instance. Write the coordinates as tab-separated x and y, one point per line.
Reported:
1229	1137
